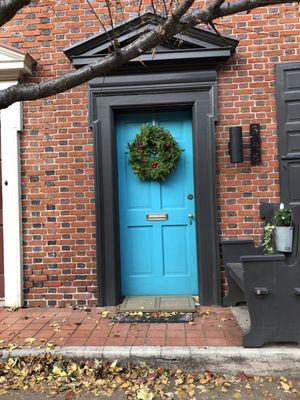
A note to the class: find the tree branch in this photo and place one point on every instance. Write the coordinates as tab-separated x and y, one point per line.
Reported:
212	7
174	24
248	5
214	4
100	22
200	16
9	8
34	91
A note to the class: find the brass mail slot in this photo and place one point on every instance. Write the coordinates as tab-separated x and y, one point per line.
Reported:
157	217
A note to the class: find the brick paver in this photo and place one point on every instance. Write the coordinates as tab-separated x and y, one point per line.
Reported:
213	326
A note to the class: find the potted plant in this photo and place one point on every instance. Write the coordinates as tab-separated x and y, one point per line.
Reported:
279	234
283	232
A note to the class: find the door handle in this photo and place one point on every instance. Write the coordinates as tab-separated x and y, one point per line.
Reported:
191	218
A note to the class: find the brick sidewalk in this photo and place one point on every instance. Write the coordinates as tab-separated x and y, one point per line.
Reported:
67	327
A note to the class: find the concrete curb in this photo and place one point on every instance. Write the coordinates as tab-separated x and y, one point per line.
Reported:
226	360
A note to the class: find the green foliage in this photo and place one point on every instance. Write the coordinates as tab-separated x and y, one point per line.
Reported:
268	239
154	153
283	216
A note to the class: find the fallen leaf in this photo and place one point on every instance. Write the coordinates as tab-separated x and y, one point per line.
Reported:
144	394
105	314
58	371
72	368
223	390
50	345
285	386
30	340
113	365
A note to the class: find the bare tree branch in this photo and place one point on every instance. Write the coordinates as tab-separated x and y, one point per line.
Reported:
140	6
115	42
243	5
34	91
9	8
100	22
166	8
200	16
153	7
175	23
214	4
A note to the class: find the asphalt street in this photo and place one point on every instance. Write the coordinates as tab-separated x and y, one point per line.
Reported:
244	390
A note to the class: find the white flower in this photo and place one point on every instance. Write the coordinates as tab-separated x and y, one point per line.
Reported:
281	206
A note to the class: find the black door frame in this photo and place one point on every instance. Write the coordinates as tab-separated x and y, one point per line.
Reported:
196	90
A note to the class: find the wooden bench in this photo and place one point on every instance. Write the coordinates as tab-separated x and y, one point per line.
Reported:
270	285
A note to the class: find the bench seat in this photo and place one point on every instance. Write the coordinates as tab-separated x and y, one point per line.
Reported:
269	284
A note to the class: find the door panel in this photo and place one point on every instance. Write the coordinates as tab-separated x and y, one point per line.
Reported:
157	257
293	173
293	141
288	116
140	256
175	245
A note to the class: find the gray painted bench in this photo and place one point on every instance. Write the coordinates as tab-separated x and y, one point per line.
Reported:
270	285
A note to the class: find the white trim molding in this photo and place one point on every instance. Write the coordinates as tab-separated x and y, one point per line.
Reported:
11	124
13	64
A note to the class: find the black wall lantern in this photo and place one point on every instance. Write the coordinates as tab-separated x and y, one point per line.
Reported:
235	145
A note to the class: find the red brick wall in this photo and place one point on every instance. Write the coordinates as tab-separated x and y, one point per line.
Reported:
56	144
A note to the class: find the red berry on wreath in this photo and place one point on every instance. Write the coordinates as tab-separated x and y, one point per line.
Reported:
154	165
167	145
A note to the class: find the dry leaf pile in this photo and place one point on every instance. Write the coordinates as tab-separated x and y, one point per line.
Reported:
28	342
55	375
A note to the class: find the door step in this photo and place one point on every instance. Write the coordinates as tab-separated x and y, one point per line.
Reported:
158	304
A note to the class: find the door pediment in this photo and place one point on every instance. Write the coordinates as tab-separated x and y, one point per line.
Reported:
14	63
195	46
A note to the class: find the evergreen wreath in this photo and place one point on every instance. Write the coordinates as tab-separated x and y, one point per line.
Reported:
154	153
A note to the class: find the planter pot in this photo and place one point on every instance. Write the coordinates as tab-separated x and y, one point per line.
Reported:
283	236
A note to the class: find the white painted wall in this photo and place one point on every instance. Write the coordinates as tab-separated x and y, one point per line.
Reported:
11	124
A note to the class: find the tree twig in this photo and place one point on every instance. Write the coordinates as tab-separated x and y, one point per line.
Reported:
115	41
101	23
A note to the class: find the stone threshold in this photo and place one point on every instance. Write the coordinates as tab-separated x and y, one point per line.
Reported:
182	303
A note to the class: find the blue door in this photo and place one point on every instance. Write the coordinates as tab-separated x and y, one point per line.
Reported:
157	257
